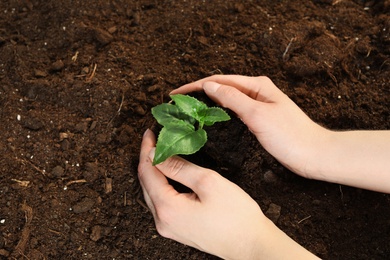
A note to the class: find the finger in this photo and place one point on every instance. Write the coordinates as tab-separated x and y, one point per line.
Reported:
259	88
148	201
153	182
148	142
232	98
185	172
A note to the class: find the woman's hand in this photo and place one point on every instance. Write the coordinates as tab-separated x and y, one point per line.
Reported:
218	217
283	129
355	158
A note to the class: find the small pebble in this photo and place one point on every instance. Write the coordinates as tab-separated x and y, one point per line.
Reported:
84	205
92	167
58	171
316	202
102	138
58	65
103	37
270	177
273	212
39	73
81	127
96	233
32	123
65	145
140	111
112	29
153	88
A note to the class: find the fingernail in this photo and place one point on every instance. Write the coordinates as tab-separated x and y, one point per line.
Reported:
211	86
146	132
151	153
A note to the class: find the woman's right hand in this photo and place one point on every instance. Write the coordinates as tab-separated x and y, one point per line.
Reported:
283	129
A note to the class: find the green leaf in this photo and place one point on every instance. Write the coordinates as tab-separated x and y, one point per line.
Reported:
214	114
178	140
168	114
178	135
189	105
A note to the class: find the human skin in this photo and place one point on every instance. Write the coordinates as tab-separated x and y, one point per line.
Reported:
220	218
355	158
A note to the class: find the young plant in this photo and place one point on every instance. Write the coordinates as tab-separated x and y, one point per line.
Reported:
183	122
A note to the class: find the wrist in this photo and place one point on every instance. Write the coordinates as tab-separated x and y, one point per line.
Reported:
273	243
316	153
306	158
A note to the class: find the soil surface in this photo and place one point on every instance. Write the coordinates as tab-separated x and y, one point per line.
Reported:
78	80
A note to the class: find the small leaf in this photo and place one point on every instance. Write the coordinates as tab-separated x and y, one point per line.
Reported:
178	135
214	114
168	114
189	105
178	140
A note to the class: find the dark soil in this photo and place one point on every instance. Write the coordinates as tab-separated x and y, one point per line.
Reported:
78	80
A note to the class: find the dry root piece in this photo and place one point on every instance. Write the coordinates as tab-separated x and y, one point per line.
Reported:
90	77
21	246
73	182
108	185
22	183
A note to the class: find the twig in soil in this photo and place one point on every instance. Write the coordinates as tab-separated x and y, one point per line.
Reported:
89	79
21	246
21	183
73	182
335	2
140	202
74	57
342	194
33	165
299	222
287	48
216	71
137	193
383	64
28	213
189	37
119	110
368	53
55	232
330	74
108	185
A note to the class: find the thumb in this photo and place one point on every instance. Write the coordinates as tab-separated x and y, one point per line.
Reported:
231	98
183	171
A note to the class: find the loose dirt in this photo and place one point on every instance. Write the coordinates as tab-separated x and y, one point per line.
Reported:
78	80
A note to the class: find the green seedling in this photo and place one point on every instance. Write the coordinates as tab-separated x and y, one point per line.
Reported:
183	123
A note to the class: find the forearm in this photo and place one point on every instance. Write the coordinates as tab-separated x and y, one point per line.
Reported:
355	158
277	245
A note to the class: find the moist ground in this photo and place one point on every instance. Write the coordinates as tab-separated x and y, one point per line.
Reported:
78	80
